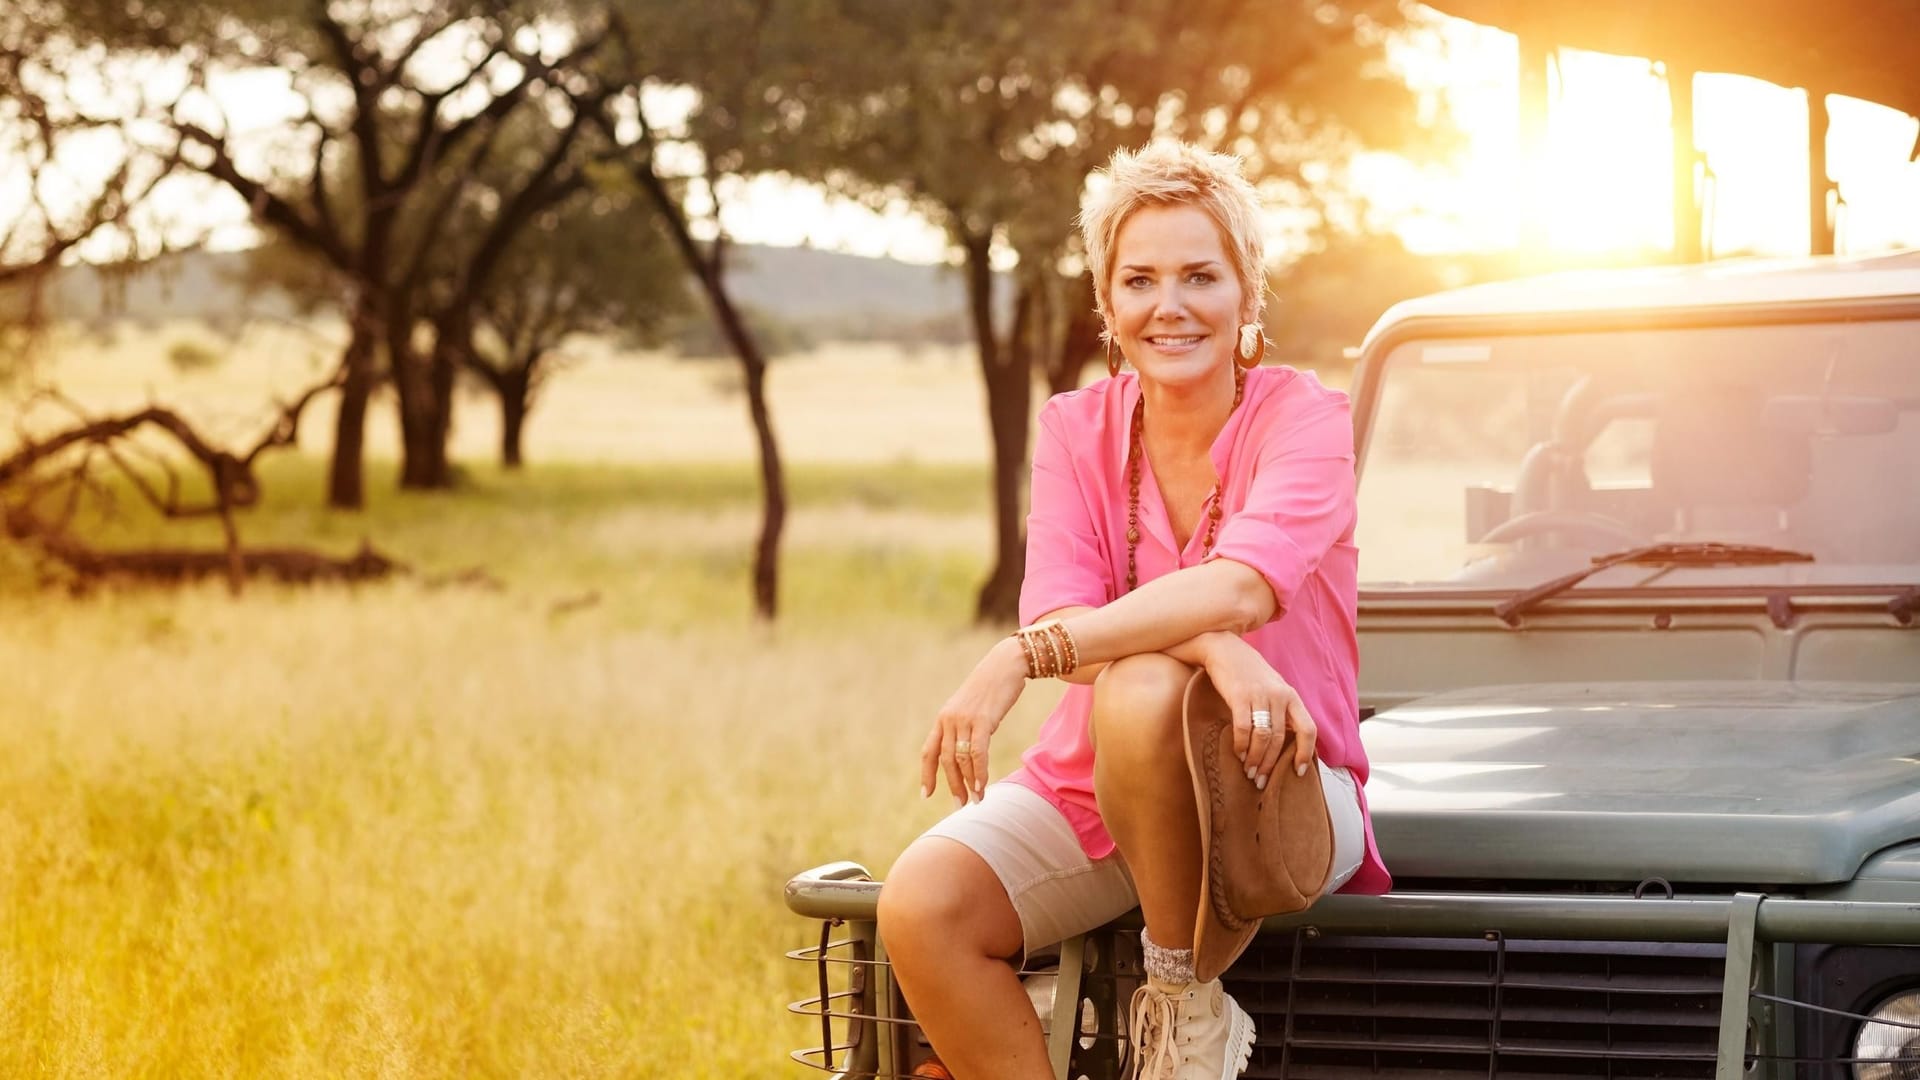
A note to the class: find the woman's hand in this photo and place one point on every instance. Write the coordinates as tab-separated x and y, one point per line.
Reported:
1248	683
961	734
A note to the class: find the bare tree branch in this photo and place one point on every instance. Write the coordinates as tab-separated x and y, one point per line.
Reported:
266	205
26	481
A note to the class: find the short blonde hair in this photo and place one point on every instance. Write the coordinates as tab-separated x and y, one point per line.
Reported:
1176	174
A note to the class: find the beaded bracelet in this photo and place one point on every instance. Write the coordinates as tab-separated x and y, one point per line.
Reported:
1049	650
1055	661
1026	650
1065	640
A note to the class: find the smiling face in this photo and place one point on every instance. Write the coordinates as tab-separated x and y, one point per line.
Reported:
1177	305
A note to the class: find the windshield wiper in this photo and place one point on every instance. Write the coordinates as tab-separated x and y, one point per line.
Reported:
1711	553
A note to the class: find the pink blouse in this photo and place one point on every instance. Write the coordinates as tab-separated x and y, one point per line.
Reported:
1286	456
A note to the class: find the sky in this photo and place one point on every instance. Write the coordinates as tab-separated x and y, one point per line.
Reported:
1607	165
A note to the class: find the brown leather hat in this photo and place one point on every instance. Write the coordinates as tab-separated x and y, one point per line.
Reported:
1261	852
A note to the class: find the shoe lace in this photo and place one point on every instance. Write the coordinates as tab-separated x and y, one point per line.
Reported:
1152	1022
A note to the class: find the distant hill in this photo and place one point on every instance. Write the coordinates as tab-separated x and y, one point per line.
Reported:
188	285
802	283
1324	301
819	294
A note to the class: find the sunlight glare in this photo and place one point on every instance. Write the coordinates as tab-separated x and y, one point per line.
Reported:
1608	155
1607	170
1754	137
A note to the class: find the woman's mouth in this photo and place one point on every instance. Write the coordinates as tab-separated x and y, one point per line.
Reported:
1175	342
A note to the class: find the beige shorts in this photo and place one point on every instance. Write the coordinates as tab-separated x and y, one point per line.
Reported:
1059	892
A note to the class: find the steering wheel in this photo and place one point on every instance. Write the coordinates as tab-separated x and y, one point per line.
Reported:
1614	532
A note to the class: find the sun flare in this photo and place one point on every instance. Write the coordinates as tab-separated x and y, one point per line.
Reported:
1604	179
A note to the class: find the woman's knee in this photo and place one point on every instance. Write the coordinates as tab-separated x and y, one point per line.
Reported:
941	896
1137	704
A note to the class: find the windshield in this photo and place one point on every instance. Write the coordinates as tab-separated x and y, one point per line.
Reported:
1501	462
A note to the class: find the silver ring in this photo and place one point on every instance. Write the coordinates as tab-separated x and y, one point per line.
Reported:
963	746
1262	720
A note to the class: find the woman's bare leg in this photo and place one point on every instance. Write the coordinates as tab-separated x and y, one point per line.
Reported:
1145	791
949	929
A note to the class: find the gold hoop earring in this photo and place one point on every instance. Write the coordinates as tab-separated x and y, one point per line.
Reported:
1114	360
1253	346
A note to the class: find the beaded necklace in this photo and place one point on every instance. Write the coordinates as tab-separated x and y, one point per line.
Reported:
1135	453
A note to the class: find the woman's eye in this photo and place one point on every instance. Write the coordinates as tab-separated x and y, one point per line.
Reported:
1200	277
1138	281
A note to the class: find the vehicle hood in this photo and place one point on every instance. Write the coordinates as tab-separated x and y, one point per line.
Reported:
1738	782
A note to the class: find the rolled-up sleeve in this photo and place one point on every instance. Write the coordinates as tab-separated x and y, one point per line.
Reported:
1300	501
1066	559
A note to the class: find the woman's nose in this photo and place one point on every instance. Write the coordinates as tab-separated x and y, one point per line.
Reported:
1170	302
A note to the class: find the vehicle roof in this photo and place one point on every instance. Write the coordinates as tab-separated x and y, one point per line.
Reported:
1724	283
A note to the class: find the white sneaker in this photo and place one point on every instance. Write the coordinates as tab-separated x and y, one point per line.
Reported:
1188	1032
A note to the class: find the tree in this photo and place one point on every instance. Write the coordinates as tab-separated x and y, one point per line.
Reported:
990	115
593	265
62	203
709	94
400	101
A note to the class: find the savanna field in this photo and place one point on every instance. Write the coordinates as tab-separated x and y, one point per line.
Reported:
526	811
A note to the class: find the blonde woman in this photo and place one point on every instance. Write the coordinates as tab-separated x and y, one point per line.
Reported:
1194	513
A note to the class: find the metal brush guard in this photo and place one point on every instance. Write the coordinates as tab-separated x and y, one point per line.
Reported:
1708	949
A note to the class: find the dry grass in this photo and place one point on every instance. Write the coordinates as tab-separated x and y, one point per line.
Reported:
407	833
419	831
410	832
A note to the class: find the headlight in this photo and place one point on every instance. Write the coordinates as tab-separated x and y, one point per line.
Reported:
1893	1033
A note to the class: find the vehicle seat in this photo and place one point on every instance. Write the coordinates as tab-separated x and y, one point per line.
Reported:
1551	478
1718	469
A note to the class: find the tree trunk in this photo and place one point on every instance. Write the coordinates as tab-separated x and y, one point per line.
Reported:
346	485
1007	371
414	389
449	339
773	484
512	388
1079	343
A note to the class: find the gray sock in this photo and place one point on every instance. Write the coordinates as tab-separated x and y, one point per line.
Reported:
1167	965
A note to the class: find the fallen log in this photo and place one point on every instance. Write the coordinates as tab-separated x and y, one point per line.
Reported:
173	565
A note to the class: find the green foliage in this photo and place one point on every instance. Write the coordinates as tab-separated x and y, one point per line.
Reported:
990	115
190	355
596	263
1325	301
295	274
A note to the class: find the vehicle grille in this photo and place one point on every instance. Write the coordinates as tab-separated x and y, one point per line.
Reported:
1335	1008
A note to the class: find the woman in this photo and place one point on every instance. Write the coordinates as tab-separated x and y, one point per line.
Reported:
1197	513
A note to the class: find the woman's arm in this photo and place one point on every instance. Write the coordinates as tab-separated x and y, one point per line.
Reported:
1244	679
1172	610
975	710
1194	650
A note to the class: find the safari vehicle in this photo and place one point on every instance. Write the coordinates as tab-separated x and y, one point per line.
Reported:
1640	571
